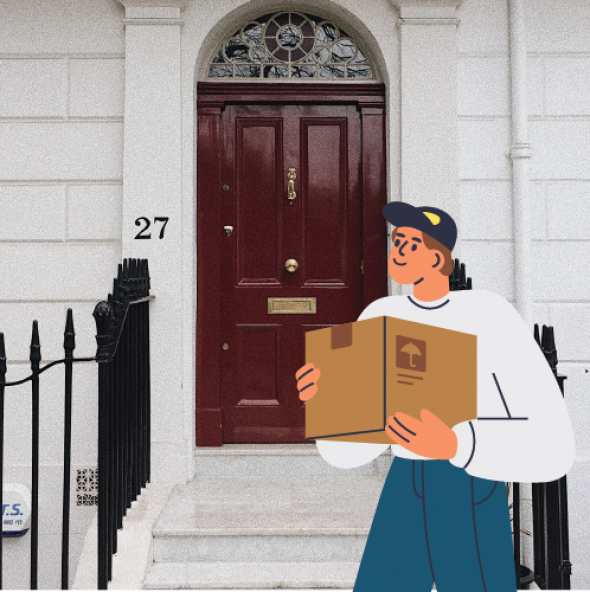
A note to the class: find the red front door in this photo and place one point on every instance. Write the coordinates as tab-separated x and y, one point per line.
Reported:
278	267
318	232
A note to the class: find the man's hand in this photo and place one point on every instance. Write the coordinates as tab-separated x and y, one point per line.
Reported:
430	437
307	377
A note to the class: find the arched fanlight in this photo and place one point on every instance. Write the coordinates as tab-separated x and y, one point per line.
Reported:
290	45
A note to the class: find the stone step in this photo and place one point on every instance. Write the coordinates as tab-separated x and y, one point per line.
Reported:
276	460
256	548
316	518
265	516
251	575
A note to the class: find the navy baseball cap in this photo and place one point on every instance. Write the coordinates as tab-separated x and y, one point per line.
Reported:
438	224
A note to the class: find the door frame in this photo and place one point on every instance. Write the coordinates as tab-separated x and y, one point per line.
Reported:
212	97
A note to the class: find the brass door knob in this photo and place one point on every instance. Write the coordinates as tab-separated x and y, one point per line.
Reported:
291	265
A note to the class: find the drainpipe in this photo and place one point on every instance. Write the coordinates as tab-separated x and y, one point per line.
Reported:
520	153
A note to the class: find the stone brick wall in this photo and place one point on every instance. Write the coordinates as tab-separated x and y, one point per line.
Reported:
558	71
61	128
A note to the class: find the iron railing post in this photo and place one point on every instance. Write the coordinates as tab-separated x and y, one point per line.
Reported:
516	529
104	318
35	359
69	346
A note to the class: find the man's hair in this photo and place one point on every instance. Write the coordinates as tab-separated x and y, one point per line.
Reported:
432	244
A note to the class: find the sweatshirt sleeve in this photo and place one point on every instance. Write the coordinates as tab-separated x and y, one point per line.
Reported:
347	455
530	439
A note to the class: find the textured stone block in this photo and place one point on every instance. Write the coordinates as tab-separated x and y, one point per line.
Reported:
62	26
96	87
482	29
568	203
482	149
567	85
94	212
482	86
560	149
572	331
560	271
554	25
490	266
486	210
33	212
33	88
64	150
57	271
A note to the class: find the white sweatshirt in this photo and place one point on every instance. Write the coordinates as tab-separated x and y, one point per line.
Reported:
523	431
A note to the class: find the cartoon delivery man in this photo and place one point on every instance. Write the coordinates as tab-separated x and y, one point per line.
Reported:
443	513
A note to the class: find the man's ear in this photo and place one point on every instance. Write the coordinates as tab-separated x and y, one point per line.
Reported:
440	260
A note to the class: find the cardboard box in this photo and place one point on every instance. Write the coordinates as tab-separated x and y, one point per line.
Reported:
374	368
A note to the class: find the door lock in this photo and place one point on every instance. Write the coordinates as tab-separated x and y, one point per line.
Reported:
228	230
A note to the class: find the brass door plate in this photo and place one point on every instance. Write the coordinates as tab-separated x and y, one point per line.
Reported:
299	305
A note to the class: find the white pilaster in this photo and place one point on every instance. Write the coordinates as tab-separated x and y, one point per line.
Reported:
429	148
152	189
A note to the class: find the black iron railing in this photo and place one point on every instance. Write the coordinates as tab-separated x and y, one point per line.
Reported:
33	378
458	279
123	414
123	356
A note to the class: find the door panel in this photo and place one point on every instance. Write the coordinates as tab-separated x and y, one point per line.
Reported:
324	166
258	354
320	229
258	167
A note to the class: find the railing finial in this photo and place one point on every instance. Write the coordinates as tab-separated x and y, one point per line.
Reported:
104	317
35	356
2	360
69	335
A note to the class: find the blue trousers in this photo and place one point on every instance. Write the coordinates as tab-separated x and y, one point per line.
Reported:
436	523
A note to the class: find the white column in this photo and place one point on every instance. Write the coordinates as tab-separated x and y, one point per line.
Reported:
429	151
152	189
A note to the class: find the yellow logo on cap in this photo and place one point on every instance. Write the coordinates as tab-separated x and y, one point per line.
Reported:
432	217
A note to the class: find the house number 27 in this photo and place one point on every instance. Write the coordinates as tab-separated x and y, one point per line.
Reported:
145	222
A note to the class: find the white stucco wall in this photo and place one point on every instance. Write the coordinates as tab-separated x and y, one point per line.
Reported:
558	49
61	108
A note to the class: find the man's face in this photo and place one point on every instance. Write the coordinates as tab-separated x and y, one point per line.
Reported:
410	260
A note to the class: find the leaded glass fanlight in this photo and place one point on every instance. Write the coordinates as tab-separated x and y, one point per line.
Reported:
290	45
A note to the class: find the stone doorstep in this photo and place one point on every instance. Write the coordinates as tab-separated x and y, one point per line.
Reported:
252	575
275	460
250	504
209	576
271	505
243	519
